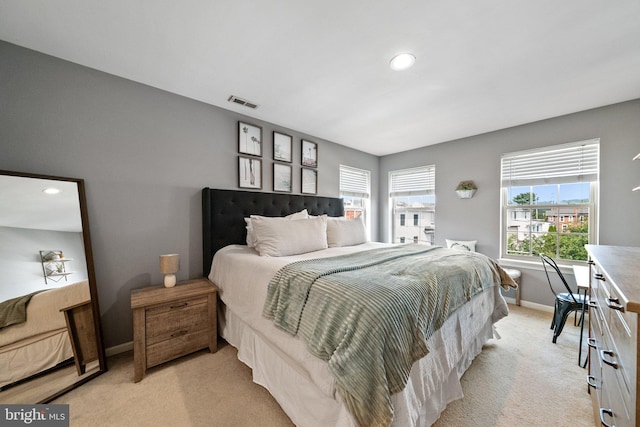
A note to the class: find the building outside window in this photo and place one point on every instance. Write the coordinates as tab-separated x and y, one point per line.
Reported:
549	201
412	193
355	190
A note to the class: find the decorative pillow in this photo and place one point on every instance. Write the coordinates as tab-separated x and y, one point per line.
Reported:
463	245
345	232
282	237
251	237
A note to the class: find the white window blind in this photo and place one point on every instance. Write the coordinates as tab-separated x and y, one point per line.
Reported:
419	181
567	163
355	182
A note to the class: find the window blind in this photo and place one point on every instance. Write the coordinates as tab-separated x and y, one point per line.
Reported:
355	182
567	163
419	181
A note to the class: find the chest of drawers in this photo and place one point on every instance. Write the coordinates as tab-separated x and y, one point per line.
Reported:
613	334
172	322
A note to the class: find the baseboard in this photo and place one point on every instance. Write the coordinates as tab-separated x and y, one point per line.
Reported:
117	349
537	306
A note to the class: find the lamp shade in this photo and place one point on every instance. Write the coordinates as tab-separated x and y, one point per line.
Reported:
169	264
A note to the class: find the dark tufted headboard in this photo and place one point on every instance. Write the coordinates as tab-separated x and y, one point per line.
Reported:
223	213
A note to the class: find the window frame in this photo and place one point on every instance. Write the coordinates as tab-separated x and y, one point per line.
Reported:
417	181
507	208
351	185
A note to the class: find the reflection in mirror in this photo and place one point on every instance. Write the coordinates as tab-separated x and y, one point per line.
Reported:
50	338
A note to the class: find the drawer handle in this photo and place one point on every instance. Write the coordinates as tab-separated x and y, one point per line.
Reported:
184	304
592	304
591	342
603	356
179	334
591	381
614	303
604	411
599	276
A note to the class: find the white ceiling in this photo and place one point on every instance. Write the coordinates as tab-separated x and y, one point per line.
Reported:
321	67
24	205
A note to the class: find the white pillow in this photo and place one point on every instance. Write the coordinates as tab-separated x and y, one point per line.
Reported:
282	237
463	245
345	232
251	237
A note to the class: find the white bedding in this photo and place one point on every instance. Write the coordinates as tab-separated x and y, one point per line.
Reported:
303	384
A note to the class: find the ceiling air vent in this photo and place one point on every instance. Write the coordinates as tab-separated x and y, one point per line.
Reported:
243	102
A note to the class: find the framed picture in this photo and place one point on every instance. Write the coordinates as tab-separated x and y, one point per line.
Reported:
282	144
309	154
281	178
249	139
309	181
249	172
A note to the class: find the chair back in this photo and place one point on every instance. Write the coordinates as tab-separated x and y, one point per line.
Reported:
548	262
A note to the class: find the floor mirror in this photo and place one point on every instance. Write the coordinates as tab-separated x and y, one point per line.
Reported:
50	336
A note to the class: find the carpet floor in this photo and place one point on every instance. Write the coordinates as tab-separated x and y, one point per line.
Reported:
520	380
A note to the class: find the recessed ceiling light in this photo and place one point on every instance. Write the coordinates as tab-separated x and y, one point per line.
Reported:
402	61
51	190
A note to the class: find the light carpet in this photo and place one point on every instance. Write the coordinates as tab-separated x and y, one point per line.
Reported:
520	380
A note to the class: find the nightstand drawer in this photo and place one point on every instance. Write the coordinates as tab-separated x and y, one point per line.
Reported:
176	346
179	318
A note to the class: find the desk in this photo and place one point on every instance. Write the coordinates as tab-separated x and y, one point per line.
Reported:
581	273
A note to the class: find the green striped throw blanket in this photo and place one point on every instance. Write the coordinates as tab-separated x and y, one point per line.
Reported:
369	314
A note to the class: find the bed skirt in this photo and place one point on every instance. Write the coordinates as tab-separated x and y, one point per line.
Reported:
434	380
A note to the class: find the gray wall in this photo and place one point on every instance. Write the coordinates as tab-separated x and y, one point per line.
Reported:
478	158
145	155
20	259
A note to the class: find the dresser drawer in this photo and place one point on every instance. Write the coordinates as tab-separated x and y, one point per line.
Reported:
620	325
624	346
616	397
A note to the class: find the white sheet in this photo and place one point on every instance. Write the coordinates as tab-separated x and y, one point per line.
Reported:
303	384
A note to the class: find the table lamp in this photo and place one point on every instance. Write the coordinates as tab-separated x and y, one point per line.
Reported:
169	266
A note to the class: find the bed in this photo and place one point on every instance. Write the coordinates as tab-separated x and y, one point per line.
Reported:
304	384
42	341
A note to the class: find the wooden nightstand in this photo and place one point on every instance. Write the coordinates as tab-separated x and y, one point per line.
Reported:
172	322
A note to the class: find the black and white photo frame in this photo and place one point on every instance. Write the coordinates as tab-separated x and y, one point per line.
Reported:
249	172
282	178
309	154
282	147
309	181
249	139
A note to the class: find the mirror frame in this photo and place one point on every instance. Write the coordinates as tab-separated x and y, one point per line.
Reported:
91	277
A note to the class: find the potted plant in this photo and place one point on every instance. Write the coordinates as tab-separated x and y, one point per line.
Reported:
466	189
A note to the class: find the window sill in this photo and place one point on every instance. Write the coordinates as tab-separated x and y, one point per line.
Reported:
536	265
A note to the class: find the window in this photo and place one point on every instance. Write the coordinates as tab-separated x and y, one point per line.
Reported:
355	190
549	201
412	193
